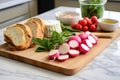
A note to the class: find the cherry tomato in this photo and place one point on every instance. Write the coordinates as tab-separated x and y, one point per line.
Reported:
88	21
94	19
85	28
73	25
79	27
92	28
82	22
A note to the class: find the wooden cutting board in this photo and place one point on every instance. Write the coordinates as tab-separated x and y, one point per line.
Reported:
68	67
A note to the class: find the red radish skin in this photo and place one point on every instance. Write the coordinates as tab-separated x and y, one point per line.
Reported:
83	36
53	54
88	43
63	57
84	48
95	37
64	48
92	39
73	44
74	53
89	33
77	38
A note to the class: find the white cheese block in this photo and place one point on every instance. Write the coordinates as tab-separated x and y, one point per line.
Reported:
52	25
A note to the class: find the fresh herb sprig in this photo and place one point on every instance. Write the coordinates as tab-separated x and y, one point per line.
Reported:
46	44
68	28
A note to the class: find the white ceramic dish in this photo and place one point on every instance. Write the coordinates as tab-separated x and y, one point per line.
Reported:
107	24
67	17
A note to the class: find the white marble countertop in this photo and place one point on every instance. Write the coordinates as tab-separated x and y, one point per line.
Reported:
105	66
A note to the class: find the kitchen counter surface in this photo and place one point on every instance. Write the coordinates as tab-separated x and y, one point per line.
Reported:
105	66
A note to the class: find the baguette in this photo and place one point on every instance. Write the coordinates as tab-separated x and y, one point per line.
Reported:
36	29
40	21
15	36
28	34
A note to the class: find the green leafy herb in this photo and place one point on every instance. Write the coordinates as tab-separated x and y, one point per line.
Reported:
53	42
68	28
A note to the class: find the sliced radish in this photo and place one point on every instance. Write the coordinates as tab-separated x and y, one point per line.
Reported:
92	39
96	38
64	48
63	57
88	43
83	36
74	53
89	33
84	48
77	38
53	54
73	44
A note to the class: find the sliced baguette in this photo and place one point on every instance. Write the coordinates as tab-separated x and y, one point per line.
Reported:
28	34
36	29
40	21
15	36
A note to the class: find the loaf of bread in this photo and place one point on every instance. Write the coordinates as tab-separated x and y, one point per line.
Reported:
19	36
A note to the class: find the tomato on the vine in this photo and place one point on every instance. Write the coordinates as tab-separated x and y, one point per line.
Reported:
82	22
88	21
73	25
78	27
92	28
85	28
94	19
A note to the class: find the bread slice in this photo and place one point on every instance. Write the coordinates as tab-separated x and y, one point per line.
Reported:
15	36
40	21
36	29
28	34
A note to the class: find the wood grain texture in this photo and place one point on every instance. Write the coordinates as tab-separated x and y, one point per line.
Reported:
68	67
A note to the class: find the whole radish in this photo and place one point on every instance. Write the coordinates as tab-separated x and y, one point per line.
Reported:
64	48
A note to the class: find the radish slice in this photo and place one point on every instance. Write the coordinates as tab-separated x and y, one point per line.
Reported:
92	39
89	33
88	43
73	44
84	48
96	38
53	54
63	57
64	48
74	53
77	38
83	36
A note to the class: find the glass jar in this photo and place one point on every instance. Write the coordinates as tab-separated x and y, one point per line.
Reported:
91	8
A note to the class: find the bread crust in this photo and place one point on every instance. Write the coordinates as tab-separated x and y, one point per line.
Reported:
9	39
40	21
25	31
39	33
28	34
